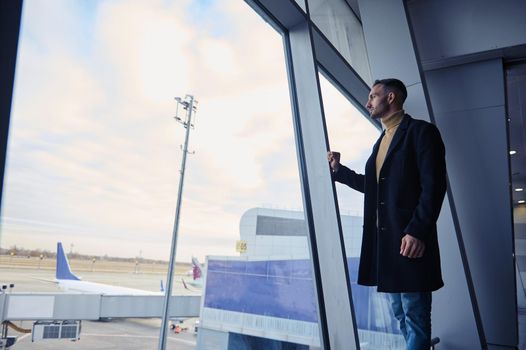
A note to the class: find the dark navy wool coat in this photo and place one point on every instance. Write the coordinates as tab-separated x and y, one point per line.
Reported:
407	199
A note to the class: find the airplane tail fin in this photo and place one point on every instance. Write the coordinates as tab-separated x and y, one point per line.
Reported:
62	270
196	269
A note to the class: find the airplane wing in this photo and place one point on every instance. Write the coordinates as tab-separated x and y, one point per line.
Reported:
45	280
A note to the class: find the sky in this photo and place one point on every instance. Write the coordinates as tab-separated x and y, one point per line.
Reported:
94	151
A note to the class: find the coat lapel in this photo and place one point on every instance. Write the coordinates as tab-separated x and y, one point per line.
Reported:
377	145
371	162
398	136
372	158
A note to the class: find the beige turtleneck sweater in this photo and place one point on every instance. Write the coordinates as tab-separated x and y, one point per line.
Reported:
390	124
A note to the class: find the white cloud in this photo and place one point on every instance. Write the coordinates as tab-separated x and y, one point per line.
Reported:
94	151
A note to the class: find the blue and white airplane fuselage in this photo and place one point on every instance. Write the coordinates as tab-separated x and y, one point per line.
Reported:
69	282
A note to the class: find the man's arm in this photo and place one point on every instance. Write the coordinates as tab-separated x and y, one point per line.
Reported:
430	158
344	175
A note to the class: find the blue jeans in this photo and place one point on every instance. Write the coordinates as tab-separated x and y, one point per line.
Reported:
413	312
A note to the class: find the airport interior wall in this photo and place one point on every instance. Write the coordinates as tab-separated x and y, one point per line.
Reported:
449	32
474	130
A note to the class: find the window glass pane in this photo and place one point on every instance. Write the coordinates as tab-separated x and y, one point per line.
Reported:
264	297
344	30
94	159
351	134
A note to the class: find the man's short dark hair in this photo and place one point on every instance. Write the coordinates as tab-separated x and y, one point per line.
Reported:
393	85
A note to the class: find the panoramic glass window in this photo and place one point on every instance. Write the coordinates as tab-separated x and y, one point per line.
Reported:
94	161
339	24
353	135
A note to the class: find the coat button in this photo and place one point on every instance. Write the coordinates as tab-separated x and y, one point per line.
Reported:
382	203
382	179
382	228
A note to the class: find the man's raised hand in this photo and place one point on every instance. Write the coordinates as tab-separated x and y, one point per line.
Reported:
334	160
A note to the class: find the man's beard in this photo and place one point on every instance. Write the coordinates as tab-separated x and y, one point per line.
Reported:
379	111
376	115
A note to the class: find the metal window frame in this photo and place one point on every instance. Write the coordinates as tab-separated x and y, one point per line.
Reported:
308	53
10	16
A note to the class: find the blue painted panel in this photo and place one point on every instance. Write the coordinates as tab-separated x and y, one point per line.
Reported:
236	267
217	265
284	289
279	268
238	341
260	268
300	269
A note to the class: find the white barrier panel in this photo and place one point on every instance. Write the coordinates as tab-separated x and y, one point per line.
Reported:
38	306
62	306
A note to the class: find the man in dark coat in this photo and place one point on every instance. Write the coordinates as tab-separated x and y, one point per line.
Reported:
404	186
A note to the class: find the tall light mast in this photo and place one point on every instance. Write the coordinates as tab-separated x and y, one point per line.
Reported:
189	105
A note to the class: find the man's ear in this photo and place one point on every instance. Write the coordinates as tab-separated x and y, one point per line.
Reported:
391	97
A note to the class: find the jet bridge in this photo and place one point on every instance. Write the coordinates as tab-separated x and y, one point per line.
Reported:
64	306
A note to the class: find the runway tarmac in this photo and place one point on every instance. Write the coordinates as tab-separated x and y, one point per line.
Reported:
32	279
116	334
130	334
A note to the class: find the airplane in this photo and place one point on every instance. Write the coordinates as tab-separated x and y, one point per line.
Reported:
70	282
197	275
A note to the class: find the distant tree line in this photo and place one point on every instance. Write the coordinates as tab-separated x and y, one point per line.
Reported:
46	254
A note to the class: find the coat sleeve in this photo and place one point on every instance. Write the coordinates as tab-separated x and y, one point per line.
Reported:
431	164
348	177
